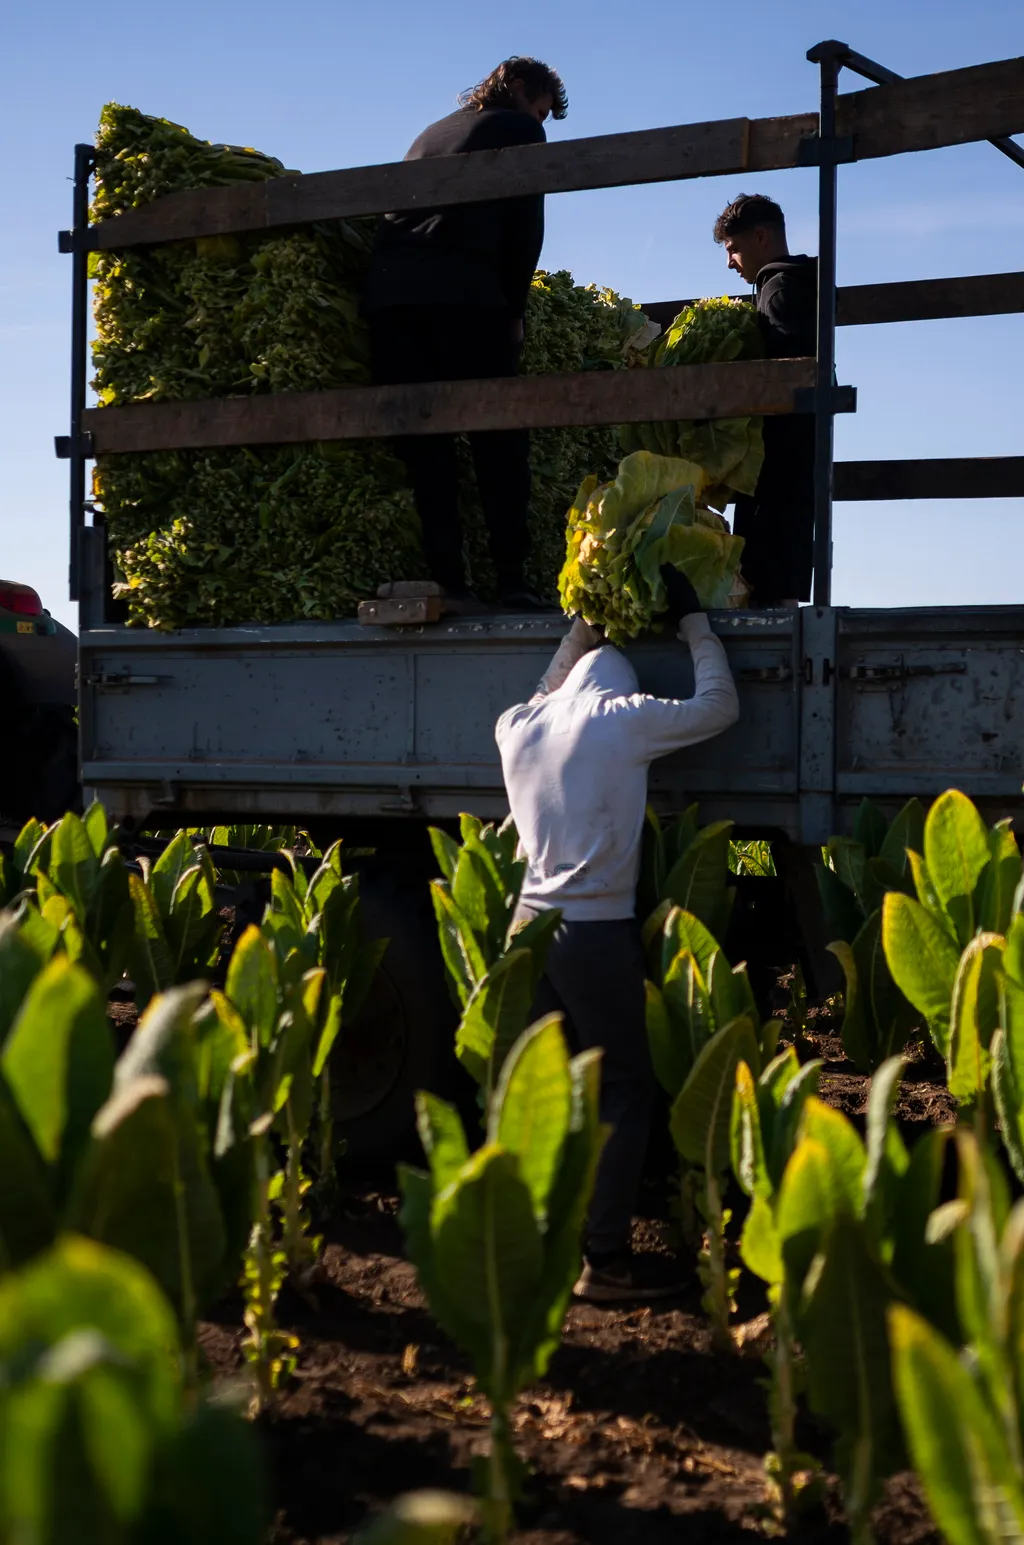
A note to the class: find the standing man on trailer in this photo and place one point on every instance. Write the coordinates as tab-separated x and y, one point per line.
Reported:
777	520
575	761
446	301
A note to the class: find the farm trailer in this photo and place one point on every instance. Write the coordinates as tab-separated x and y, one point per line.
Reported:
376	732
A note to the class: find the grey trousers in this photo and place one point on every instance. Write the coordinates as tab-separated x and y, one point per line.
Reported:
595	979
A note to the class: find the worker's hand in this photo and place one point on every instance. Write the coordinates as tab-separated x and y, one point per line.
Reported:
682	598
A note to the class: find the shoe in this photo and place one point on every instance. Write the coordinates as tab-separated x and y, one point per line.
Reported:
623	1277
523	598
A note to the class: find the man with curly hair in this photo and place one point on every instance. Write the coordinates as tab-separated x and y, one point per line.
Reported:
446	298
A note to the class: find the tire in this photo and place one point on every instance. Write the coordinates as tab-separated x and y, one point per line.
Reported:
404	1037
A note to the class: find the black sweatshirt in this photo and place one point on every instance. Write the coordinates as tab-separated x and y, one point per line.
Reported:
468	254
787	305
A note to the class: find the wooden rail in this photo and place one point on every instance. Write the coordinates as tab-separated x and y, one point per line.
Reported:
521	402
967	477
923	113
914	300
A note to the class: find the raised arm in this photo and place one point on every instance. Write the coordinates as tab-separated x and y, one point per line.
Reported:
671	723
579	640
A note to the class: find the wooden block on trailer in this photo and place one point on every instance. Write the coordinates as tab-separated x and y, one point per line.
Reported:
401	589
400	612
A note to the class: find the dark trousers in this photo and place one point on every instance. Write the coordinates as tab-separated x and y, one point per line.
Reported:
448	343
595	979
777	523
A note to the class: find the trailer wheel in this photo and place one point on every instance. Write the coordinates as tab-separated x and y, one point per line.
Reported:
404	1037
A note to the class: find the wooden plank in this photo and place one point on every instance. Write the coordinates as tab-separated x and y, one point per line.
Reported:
967	477
400	613
983	102
603	161
914	300
448	407
919	300
925	112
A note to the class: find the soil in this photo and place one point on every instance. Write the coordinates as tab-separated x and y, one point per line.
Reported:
640	1428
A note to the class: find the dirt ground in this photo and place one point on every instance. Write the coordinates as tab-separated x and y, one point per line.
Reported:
639	1431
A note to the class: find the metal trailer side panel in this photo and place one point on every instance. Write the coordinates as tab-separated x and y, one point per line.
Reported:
334	719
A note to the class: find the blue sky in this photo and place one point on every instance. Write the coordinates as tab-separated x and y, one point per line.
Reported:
324	85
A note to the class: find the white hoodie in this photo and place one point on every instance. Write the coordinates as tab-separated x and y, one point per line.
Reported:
575	760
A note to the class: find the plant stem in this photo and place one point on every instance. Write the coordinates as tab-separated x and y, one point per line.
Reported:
293	1232
326	1127
190	1350
718	1301
262	1311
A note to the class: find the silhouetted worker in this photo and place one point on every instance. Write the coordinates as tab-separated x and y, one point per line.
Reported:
777	520
446	298
575	761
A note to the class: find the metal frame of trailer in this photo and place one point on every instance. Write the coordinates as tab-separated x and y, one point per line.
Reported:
837	703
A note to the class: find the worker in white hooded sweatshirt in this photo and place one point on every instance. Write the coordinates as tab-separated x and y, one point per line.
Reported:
575	760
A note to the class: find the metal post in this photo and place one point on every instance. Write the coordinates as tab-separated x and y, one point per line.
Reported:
830	58
84	163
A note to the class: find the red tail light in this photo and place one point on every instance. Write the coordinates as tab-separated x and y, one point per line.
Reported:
19	598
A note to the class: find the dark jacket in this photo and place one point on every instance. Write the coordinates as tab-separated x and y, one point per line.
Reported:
469	254
787	304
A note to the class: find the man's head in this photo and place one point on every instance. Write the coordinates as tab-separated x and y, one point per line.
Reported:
524	84
753	231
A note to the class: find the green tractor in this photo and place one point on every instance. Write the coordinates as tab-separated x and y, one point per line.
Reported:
38	702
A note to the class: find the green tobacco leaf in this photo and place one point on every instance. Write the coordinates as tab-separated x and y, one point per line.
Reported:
808	1203
95	822
923	961
535	935
870	828
686	999
887	1157
210	1483
20	964
999	881
843	1331
956	851
178	856
668	1053
540	1330
682	932
877	1017
73	866
760	1246
31	846
850	866
843	914
730	992
252	985
906	832
532	1107
446	851
1008	1095
974	1017
459	947
701	1115
788	1096
28	1219
847	1155
747	1139
149	956
442	1136
921	1264
476	893
495	1015
58	1062
193	925
970	1479
698	880
489	1260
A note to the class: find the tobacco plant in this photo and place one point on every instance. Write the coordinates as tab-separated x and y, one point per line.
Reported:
701	1022
856	874
496	1234
963	1412
100	1438
685	865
